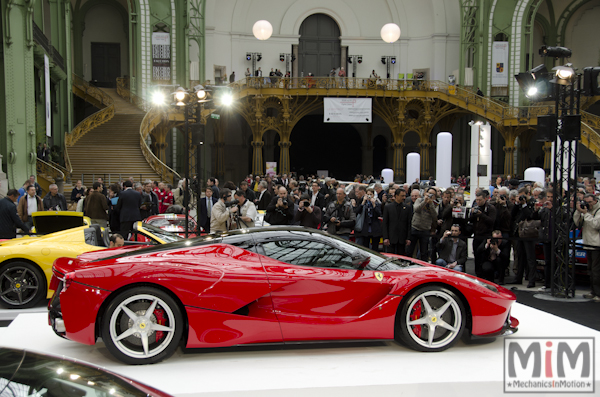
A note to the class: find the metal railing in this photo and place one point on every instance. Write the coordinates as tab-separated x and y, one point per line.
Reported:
124	91
40	38
95	119
108	178
50	170
150	121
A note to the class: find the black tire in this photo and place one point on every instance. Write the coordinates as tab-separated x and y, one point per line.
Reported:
126	313
447	325
22	285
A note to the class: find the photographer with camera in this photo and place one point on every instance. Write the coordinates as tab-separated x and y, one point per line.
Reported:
525	247
339	216
483	216
220	218
280	210
493	254
544	213
503	208
424	224
587	216
452	250
370	209
246	215
307	215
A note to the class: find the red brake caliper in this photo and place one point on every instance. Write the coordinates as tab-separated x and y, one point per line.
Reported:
415	315
160	320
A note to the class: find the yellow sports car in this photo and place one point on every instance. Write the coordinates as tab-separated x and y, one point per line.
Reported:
26	262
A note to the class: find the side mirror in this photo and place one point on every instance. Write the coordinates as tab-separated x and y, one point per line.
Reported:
360	260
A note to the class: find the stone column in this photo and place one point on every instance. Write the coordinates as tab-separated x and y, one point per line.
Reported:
425	158
284	157
509	159
257	158
18	106
398	164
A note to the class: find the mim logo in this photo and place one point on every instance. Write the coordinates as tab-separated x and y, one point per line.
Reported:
549	365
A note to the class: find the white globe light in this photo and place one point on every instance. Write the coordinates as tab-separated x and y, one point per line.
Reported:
262	30
390	33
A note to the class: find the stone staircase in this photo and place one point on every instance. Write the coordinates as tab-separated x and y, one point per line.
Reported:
112	150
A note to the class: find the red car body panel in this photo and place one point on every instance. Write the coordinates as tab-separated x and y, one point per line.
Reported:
233	296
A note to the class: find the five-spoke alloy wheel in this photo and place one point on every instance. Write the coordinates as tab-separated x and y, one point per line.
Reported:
142	325
431	319
22	285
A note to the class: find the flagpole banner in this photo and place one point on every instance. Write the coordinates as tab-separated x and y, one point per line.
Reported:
48	101
500	64
347	110
161	56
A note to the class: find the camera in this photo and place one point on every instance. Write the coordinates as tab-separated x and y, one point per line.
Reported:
584	204
503	197
494	241
522	199
232	203
456	201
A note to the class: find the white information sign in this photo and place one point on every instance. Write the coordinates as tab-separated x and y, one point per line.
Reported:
347	110
500	64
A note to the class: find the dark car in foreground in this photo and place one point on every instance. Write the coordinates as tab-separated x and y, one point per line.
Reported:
267	285
24	373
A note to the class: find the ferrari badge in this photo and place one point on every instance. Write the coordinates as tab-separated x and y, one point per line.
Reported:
379	276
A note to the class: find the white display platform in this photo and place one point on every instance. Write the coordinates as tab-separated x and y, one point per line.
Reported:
380	369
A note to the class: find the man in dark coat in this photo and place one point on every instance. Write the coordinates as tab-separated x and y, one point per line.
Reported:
205	209
280	210
397	217
128	206
54	201
263	197
452	250
494	257
9	219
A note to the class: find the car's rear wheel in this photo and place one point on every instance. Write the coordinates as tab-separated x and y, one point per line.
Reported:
22	285
431	319
142	326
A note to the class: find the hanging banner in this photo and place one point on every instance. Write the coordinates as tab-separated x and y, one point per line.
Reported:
47	89
500	64
271	168
347	110
161	56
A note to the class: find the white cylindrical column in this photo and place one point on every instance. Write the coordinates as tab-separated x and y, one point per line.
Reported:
388	175
535	174
485	156
443	162
413	167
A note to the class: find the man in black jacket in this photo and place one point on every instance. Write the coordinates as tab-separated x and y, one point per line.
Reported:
9	219
128	206
452	250
494	257
263	197
523	210
54	201
205	209
397	217
483	216
280	210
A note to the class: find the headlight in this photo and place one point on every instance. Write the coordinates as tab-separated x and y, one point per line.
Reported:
476	281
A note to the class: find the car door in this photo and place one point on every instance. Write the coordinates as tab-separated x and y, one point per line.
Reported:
316	291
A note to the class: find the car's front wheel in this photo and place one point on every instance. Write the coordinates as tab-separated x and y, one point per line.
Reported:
142	326
431	319
22	285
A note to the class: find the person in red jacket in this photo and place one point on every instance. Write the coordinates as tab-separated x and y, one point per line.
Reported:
167	199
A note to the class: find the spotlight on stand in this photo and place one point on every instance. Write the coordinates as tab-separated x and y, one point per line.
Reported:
393	60
535	83
158	98
564	74
383	60
282	57
590	81
555	52
359	59
259	58
248	56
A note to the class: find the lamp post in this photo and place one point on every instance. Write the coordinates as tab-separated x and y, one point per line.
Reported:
388	60
354	60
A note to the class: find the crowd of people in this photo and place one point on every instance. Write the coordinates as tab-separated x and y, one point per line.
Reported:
418	219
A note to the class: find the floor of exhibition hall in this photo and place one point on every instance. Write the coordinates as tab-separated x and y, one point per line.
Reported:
376	368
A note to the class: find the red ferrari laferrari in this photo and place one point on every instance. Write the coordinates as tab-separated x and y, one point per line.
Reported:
267	285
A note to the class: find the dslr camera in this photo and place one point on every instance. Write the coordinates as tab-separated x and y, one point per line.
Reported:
231	203
503	197
494	241
584	204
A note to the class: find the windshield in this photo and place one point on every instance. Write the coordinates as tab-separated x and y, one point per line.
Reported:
377	261
161	234
163	222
